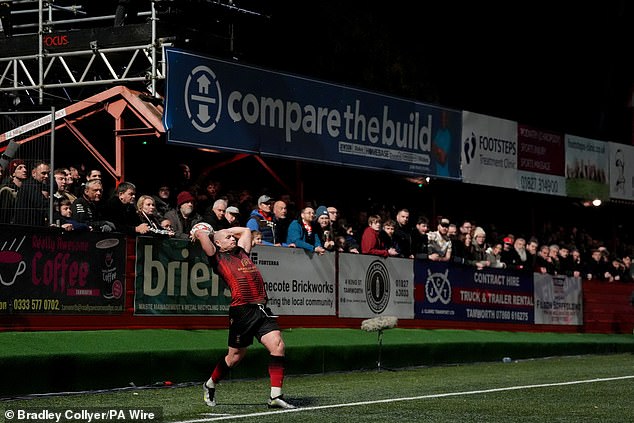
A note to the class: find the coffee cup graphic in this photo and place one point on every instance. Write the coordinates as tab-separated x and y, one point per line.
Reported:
112	287
12	265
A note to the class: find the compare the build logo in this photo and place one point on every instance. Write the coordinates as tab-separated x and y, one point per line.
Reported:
204	107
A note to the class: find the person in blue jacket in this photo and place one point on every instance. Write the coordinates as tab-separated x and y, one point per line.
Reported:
303	233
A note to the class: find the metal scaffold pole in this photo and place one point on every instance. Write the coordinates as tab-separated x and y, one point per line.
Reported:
40	53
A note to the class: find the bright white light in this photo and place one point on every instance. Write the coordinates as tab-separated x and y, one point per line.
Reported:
427	179
596	202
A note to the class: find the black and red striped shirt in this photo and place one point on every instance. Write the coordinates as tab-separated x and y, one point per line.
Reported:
243	277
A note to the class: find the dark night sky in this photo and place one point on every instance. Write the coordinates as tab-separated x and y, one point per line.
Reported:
543	64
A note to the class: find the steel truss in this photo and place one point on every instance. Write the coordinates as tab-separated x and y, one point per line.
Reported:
88	64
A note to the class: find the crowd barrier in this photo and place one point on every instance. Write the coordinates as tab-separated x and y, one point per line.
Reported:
55	280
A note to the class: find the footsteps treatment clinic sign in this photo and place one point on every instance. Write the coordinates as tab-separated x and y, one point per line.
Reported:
489	150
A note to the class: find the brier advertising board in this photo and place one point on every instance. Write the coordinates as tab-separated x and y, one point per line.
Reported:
49	271
173	277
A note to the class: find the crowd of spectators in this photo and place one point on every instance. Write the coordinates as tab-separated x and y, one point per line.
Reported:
80	204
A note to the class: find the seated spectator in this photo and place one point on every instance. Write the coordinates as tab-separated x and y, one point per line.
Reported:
184	216
146	209
371	242
303	233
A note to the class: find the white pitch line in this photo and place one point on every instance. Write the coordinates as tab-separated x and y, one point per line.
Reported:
448	394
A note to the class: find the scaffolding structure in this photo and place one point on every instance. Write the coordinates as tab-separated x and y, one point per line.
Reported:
98	69
54	45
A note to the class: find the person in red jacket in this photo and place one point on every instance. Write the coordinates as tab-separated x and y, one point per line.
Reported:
371	242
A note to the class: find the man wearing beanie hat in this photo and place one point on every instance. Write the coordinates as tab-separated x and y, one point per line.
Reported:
184	197
321	211
16	175
183	217
13	166
324	228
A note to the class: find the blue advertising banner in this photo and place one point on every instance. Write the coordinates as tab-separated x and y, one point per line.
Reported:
49	271
212	103
464	293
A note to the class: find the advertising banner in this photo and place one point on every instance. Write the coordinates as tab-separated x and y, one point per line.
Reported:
540	161
621	171
586	168
489	150
370	286
464	293
48	271
297	282
558	300
229	106
173	277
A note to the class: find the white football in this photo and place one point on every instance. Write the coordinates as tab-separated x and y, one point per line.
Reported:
201	226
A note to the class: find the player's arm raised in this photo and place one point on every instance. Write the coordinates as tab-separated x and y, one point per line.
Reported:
243	235
203	232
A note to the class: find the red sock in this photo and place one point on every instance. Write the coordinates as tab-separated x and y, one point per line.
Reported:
220	371
276	371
